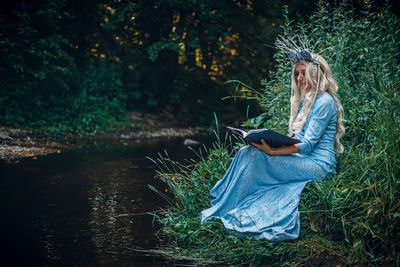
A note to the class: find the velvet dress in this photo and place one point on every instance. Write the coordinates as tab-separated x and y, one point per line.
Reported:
259	194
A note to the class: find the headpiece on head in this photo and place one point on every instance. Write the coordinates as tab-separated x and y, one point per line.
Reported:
294	52
297	56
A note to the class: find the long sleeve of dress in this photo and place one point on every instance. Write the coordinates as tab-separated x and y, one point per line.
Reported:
321	115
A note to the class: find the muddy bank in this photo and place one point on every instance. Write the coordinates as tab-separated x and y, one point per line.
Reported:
21	143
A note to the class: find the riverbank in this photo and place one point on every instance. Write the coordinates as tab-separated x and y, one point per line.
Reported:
16	143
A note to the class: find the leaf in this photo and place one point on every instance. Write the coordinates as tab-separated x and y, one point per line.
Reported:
312	226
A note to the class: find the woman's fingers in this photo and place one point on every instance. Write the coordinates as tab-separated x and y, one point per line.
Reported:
266	148
261	147
265	144
257	145
254	144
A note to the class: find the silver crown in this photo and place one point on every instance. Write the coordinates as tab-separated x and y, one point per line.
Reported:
294	52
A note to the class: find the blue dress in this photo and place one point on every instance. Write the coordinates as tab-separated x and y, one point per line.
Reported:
259	194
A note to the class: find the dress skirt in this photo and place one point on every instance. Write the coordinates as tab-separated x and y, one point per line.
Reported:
259	194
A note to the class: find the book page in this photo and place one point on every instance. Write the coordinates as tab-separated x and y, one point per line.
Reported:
238	131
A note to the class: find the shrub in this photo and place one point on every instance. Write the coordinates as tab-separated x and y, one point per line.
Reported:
355	215
41	84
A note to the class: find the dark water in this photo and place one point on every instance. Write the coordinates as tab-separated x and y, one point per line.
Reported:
75	208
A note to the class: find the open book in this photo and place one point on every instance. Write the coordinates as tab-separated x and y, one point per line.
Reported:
272	138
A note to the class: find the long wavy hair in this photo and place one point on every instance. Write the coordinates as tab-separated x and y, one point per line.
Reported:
319	76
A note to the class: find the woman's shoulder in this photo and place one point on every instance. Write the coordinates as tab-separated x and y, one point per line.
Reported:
325	101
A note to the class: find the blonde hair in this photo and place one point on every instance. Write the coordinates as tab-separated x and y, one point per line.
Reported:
319	77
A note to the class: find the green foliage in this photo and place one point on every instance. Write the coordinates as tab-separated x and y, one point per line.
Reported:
41	85
182	51
355	215
188	187
164	54
36	67
363	200
100	104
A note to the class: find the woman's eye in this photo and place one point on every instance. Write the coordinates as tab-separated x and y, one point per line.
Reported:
296	74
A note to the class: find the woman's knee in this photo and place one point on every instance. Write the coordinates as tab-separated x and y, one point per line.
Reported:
249	149
245	149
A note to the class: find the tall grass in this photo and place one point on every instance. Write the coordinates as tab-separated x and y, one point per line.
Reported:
356	214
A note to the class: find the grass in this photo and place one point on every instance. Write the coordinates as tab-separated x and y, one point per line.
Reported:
355	215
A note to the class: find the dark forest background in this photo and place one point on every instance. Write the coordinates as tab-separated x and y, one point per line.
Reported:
79	66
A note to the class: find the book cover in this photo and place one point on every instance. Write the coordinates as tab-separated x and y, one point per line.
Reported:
272	138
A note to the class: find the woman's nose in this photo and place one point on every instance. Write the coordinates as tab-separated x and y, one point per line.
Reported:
299	77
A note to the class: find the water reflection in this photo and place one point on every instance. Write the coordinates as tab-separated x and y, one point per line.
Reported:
76	208
47	240
110	201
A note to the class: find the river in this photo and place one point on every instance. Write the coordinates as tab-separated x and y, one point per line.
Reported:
84	207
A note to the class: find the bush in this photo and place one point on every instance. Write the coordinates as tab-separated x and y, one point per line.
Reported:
356	214
41	84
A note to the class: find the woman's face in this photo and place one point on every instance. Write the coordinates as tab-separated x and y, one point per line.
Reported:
300	76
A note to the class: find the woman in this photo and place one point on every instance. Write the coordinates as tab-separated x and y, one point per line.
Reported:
260	192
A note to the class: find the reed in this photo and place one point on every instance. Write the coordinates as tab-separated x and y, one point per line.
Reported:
355	215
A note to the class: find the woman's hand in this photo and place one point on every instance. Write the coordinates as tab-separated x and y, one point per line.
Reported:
276	151
264	147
